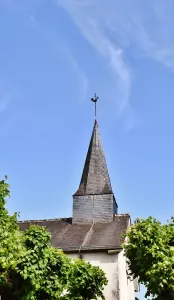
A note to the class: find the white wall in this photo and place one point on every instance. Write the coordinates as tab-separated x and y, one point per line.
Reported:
114	267
126	285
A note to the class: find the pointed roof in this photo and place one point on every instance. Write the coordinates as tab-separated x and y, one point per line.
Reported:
95	177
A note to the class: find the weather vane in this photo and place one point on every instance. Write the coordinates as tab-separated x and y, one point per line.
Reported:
95	101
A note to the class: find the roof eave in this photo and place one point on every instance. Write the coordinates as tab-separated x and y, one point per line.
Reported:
91	249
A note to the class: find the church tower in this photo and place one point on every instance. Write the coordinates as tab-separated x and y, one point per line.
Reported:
94	200
95	230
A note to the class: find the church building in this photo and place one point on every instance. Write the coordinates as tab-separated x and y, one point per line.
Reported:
94	230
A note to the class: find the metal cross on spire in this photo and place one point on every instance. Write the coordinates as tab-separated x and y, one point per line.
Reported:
95	101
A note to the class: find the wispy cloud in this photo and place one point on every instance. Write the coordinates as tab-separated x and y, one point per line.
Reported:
116	27
87	17
147	26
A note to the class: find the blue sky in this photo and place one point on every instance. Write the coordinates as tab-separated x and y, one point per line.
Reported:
53	56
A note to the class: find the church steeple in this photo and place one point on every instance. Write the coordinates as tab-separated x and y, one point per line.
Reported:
94	200
95	178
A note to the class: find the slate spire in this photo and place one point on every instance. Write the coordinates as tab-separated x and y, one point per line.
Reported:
95	177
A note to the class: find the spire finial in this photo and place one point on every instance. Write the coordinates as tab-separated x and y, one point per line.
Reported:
95	101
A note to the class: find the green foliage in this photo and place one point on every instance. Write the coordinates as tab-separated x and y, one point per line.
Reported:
85	281
45	267
10	236
31	269
150	253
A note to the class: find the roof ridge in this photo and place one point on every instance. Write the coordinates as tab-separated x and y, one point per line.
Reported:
86	237
43	220
61	219
125	214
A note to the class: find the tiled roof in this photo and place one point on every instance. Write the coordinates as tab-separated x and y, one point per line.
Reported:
95	178
75	237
